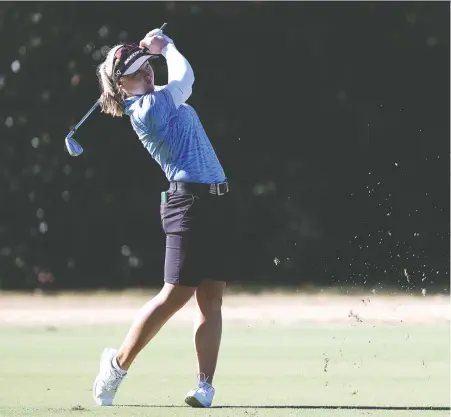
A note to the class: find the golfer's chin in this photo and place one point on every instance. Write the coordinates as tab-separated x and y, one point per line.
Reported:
148	86
145	89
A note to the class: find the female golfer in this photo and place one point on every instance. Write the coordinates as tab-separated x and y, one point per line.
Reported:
194	210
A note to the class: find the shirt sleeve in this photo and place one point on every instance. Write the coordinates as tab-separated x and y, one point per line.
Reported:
180	75
156	109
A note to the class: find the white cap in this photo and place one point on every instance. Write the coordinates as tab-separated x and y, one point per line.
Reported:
137	64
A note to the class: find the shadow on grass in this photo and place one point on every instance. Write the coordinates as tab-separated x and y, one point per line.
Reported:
305	407
338	407
151	406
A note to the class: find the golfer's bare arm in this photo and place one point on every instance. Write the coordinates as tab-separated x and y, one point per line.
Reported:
180	75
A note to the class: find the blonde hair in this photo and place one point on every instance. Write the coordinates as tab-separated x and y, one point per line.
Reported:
111	96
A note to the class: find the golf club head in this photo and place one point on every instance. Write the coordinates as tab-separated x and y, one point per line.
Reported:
73	147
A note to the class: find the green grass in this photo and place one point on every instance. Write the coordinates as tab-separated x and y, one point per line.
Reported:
263	371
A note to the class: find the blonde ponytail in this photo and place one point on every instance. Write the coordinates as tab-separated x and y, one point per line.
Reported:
111	96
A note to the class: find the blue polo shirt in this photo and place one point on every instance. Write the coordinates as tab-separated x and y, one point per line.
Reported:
174	137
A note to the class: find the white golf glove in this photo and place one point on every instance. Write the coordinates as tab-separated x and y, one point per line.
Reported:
159	33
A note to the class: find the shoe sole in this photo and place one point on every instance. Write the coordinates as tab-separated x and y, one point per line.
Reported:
194	402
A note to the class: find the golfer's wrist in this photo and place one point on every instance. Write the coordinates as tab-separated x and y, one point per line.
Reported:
167	48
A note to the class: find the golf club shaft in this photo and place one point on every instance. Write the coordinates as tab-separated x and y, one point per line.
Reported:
85	117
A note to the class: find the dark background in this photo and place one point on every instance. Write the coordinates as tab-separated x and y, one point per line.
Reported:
331	120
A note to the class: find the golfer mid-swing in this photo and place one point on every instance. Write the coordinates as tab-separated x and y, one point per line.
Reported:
194	210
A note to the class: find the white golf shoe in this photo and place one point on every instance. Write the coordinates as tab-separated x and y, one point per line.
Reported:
108	379
202	396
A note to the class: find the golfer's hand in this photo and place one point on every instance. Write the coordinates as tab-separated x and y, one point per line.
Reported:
155	44
154	32
160	34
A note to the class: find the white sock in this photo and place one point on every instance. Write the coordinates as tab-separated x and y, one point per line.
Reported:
117	367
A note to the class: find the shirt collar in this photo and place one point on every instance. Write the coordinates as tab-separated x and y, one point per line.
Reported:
128	102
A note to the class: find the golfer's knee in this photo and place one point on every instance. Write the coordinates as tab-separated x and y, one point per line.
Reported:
175	297
209	299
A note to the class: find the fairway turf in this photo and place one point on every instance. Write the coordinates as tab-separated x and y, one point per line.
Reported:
264	370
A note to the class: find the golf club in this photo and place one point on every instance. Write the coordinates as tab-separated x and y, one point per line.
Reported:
72	146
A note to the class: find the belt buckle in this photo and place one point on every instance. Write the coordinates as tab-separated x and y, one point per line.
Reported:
226	188
216	188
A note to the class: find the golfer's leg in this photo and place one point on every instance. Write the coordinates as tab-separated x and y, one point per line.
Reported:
208	326
151	318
